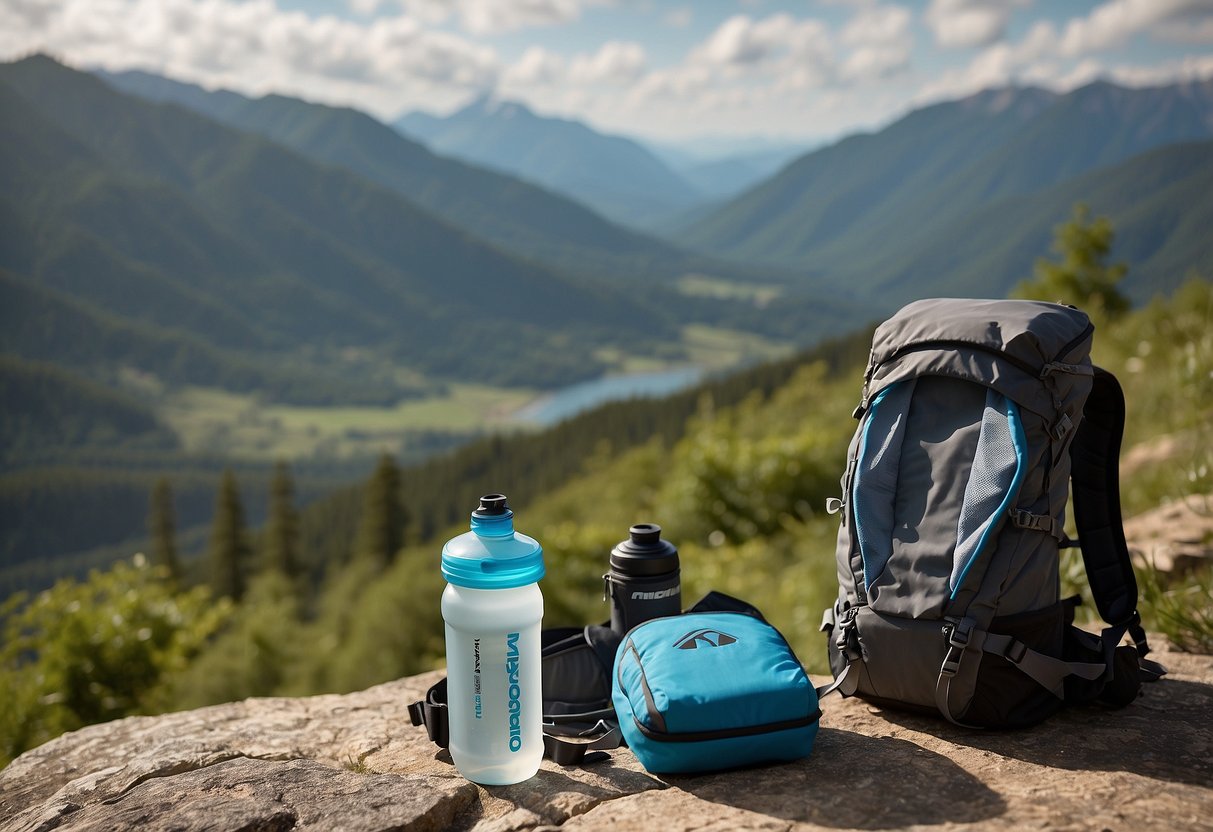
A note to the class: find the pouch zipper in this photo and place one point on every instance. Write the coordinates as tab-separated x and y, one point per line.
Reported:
729	733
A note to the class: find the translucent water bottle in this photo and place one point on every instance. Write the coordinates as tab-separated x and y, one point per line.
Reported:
492	607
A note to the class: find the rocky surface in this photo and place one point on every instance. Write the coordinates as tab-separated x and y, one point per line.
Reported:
354	762
1177	537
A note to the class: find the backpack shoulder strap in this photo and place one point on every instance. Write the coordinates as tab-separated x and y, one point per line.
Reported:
1095	475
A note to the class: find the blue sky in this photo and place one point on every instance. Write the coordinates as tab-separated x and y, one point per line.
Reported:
668	70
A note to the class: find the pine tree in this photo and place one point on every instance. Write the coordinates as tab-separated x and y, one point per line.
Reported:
281	543
162	528
381	527
229	547
1082	277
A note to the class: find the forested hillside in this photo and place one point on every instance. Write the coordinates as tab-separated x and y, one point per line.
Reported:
527	220
184	222
883	212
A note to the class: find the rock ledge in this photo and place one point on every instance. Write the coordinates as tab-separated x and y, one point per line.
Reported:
354	762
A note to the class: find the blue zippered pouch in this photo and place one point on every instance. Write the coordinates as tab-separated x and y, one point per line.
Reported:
712	690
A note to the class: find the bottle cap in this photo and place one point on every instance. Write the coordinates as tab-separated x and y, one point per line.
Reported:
644	553
492	555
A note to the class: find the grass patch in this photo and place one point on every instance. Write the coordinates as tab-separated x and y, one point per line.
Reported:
356	766
716	348
703	286
1181	609
217	421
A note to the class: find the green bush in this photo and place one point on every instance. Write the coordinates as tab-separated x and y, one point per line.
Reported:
92	651
252	655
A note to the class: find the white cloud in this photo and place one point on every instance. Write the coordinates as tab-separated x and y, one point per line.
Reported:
762	70
255	47
488	17
881	41
1114	22
27	14
364	7
1065	59
679	18
878	26
967	23
537	67
778	63
1186	31
615	62
680	83
1191	68
780	39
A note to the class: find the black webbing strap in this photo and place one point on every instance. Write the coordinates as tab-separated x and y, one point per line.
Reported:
572	749
1047	671
841	628
1095	474
431	712
563	745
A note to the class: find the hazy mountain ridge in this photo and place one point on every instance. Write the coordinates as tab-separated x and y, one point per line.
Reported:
1159	203
615	175
523	219
502	209
850	208
282	247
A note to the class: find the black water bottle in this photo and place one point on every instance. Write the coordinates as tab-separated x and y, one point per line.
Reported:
644	579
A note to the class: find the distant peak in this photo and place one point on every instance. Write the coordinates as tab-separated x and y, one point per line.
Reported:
1001	99
492	105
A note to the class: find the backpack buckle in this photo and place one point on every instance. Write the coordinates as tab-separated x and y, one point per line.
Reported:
958	640
1064	426
1015	651
959	635
847	640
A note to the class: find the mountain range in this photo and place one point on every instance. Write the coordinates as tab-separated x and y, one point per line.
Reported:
166	219
519	217
614	175
960	197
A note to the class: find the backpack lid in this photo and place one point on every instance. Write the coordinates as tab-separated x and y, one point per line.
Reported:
1031	332
1012	346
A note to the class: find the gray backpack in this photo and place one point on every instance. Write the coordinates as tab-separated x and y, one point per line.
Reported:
976	415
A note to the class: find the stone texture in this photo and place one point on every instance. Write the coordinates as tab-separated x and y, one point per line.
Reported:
354	762
1177	537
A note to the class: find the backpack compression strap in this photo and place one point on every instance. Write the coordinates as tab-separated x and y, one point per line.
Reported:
1095	474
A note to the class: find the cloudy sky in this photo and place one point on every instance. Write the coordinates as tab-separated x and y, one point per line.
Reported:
803	69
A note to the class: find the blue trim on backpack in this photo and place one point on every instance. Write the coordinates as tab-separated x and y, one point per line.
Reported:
1020	441
863	445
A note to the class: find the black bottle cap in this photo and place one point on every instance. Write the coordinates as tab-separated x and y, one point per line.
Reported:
491	505
644	553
